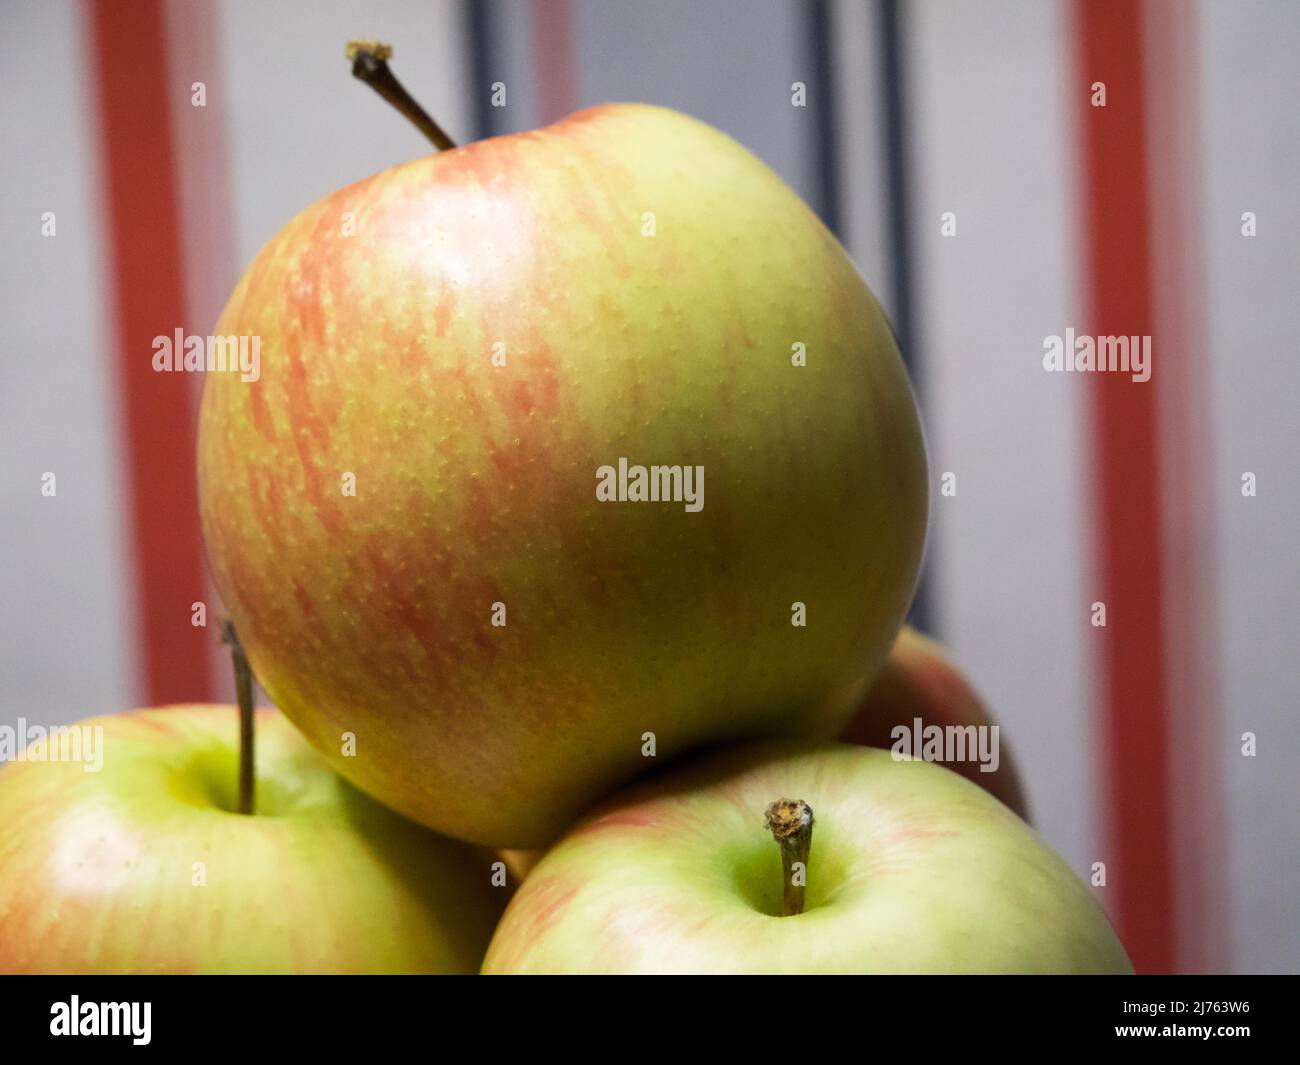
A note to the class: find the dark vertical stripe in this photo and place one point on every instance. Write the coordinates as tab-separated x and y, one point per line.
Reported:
822	89
892	73
898	179
1126	486
483	47
143	234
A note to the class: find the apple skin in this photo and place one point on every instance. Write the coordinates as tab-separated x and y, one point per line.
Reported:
918	680
913	870
96	868
476	483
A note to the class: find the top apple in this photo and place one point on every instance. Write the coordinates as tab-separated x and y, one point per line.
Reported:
567	448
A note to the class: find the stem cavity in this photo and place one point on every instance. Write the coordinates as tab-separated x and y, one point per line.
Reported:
370	64
791	823
244	693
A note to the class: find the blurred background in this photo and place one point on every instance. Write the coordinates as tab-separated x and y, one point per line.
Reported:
153	146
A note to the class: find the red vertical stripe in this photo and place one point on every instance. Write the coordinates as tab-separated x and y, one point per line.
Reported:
1126	484
129	50
553	48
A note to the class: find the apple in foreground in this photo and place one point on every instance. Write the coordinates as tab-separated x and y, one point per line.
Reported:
571	436
911	869
142	867
920	682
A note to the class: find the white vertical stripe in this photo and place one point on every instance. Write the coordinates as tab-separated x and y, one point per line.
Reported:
203	163
203	167
993	144
1251	83
301	126
671	52
1180	360
64	586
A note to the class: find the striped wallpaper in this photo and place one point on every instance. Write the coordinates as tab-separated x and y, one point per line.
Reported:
1071	489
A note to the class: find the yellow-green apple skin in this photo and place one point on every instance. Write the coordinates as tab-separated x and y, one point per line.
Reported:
142	867
912	870
920	681
463	341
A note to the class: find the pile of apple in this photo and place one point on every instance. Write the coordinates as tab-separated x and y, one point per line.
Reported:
487	658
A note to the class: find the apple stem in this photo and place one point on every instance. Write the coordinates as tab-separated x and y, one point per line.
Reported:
244	693
791	823
370	64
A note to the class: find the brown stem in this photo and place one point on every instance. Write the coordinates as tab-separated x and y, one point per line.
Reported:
370	64
791	823
244	693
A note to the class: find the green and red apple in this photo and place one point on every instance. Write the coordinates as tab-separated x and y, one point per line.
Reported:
426	517
143	867
912	869
919	682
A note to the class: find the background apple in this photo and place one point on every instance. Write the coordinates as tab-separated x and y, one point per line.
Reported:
918	680
464	340
98	870
912	870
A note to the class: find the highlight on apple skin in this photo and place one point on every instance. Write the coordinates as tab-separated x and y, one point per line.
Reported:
912	869
402	512
919	681
142	867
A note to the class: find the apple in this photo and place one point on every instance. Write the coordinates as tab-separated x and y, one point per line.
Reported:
425	515
142	867
919	682
910	869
